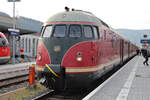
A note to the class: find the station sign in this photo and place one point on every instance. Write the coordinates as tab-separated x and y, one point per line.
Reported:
14	32
13	0
145	41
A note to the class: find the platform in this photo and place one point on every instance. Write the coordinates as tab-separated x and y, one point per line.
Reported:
131	82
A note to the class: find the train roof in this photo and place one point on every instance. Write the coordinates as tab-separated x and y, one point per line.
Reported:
79	16
75	16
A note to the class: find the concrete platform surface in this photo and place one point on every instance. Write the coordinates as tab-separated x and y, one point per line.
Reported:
131	82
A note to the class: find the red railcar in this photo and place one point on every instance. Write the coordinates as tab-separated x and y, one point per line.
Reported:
76	48
4	49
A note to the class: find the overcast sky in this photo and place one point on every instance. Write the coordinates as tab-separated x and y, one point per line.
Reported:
130	14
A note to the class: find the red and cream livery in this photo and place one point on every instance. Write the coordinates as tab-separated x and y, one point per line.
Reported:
76	48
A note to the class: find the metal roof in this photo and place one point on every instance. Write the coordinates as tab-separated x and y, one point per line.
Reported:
25	25
4	14
29	24
74	16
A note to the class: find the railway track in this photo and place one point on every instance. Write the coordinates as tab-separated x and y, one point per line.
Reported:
13	80
14	77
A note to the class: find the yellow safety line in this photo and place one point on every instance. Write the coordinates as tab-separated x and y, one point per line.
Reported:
52	71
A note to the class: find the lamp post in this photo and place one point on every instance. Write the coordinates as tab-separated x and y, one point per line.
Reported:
14	26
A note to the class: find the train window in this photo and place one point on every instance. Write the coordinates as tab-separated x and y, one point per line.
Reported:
2	42
118	43
75	31
104	34
47	31
88	31
59	31
41	31
115	43
96	33
112	43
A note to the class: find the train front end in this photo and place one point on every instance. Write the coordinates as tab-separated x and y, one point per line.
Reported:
67	52
4	49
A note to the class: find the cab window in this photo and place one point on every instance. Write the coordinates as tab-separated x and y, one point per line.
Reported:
104	35
96	33
3	42
88	31
75	31
47	31
59	31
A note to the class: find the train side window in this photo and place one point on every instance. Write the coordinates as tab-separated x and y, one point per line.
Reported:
118	43
96	33
115	41
41	32
59	31
104	34
88	33
47	31
112	43
2	42
75	31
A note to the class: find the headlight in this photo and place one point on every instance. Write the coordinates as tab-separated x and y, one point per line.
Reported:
79	59
79	56
39	57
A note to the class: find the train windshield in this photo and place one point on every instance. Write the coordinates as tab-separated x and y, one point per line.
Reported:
3	42
47	31
59	31
75	31
88	31
72	30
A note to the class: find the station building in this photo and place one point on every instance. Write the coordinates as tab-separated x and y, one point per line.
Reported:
29	33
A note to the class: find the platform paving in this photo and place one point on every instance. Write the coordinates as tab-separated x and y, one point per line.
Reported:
131	82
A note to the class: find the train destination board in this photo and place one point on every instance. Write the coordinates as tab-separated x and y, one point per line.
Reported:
145	41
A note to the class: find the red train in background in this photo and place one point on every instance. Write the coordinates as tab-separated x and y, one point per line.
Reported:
76	48
4	49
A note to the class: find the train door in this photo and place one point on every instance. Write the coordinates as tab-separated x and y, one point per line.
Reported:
121	50
92	32
95	44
